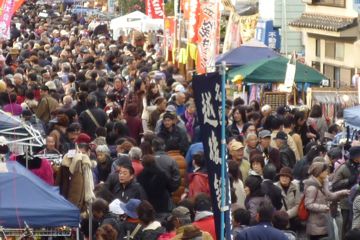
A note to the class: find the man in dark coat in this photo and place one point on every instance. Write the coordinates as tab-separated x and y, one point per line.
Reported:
93	117
123	185
169	130
271	155
269	188
166	164
264	229
287	156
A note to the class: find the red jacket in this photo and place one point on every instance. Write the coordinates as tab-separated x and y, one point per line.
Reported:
138	167
198	183
207	224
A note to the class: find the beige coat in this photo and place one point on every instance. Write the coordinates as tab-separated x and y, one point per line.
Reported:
292	198
317	197
46	106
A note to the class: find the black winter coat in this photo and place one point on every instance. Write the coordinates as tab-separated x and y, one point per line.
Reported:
273	192
156	185
124	194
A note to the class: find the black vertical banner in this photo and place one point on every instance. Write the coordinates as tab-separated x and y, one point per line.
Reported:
207	93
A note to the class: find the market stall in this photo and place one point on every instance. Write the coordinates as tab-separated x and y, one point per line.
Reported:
30	203
19	134
332	100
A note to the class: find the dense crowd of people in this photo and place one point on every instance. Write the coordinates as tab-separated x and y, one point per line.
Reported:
125	122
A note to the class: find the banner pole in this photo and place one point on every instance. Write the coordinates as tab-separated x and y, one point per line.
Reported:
223	147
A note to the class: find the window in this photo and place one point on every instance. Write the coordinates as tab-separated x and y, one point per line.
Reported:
330	49
333	3
338	76
317	47
339	51
334	50
316	65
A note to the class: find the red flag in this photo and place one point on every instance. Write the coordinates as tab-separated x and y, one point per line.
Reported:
154	9
17	5
193	16
5	19
208	36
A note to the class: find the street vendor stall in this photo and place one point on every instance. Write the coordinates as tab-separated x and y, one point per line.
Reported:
30	203
271	72
332	100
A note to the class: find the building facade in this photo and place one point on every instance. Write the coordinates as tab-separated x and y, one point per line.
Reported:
281	12
330	31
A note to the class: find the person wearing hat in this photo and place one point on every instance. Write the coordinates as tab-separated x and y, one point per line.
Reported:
270	154
46	105
290	192
131	225
345	177
287	156
169	131
317	195
236	150
277	125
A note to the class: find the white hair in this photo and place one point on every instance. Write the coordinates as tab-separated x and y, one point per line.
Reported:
103	149
266	108
250	135
135	153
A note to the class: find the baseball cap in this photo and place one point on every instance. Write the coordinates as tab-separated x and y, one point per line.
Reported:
235	145
281	136
264	134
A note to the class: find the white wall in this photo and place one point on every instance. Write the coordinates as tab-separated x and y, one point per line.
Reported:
267	9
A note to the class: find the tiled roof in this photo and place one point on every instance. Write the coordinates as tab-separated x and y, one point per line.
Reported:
324	22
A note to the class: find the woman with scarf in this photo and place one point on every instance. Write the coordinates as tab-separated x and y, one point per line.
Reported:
190	119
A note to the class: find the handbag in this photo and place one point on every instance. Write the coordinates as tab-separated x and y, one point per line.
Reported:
303	212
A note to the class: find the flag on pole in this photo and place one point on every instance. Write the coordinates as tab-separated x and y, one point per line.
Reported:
154	9
208	36
290	73
207	93
5	19
17	5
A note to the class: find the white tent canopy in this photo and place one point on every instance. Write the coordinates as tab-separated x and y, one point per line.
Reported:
135	20
18	133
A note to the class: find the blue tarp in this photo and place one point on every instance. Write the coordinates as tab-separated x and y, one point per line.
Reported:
26	198
245	55
352	117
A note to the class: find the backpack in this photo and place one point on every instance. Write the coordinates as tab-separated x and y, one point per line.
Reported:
303	212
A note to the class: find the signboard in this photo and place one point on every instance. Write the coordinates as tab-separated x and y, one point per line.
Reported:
207	90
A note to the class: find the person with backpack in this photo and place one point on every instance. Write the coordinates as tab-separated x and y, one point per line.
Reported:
344	178
316	197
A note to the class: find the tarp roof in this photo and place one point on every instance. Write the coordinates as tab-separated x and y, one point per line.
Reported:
26	198
352	117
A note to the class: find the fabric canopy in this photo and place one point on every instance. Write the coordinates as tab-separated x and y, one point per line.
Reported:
245	55
26	198
273	70
352	117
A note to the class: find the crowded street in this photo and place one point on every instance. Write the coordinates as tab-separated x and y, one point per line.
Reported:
180	119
